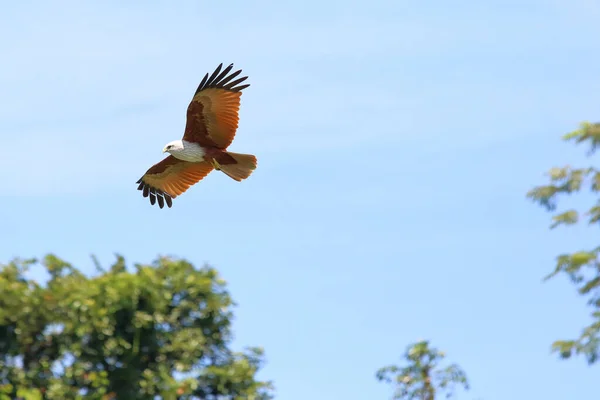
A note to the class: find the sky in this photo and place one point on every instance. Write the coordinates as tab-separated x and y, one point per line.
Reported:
396	141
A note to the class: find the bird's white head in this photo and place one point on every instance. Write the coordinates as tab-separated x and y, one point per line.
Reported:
173	147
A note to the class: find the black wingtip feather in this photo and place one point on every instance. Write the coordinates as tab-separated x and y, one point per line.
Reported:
230	77
242	87
201	85
214	75
225	71
231	85
222	80
155	195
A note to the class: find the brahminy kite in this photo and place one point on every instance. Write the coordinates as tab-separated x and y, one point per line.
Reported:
212	119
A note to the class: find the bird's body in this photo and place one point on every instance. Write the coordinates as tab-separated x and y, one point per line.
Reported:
212	120
186	151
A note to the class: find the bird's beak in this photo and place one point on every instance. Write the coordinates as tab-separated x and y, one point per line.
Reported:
165	150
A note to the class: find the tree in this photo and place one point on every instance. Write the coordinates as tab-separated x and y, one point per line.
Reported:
422	378
582	267
162	330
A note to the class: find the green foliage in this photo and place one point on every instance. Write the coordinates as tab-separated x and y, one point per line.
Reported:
581	267
423	378
162	330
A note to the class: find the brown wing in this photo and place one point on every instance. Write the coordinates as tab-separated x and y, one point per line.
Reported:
212	116
170	178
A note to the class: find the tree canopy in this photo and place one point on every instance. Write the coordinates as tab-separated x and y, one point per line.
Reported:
161	331
582	266
422	377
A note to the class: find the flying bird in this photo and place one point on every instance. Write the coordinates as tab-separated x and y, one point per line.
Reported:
212	120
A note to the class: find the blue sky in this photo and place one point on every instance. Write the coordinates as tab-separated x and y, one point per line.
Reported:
396	141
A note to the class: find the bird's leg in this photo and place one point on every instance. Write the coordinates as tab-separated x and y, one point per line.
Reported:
216	164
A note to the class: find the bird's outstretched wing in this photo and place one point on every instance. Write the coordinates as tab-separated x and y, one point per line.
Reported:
212	116
171	177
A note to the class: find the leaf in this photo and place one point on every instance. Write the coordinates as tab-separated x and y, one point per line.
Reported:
567	218
586	132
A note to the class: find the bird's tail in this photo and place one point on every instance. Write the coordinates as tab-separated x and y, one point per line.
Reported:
244	166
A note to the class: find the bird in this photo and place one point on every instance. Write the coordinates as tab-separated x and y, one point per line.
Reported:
211	124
